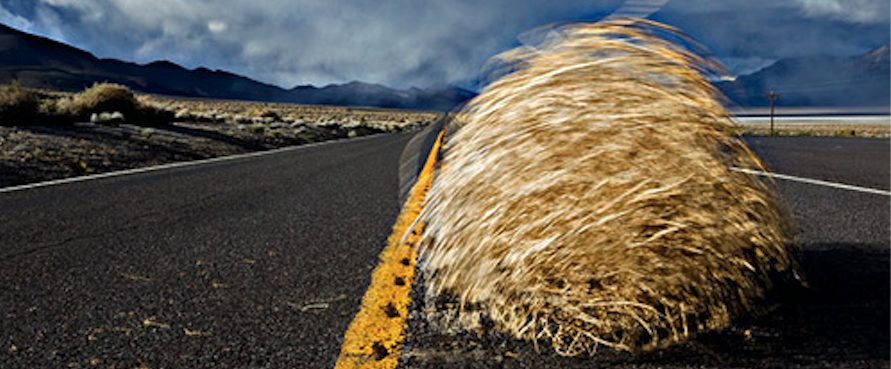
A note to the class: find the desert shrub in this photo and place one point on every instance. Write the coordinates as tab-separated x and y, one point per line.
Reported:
257	128
56	111
149	115
102	97
265	116
586	197
48	108
111	98
308	137
18	106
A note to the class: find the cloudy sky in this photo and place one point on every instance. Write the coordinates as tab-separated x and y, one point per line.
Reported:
404	43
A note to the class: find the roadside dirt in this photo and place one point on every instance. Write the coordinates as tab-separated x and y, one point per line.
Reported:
819	130
204	129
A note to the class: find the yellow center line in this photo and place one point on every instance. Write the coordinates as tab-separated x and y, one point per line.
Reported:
375	336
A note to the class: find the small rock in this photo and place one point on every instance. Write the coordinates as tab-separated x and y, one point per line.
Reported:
106	117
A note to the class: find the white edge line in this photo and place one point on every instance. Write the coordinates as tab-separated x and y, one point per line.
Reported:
179	164
812	181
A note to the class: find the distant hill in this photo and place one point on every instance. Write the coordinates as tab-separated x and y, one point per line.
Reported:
42	63
860	81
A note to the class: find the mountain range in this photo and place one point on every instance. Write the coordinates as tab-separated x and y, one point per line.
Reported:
39	62
34	61
819	81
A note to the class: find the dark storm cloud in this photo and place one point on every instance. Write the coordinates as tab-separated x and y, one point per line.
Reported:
410	42
777	30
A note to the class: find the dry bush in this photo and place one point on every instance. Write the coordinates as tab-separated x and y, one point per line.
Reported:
18	106
110	98
586	197
150	115
102	97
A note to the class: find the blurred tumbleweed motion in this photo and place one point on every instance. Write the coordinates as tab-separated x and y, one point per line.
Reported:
586	200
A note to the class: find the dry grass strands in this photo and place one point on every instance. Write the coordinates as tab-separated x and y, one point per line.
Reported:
17	105
586	198
102	97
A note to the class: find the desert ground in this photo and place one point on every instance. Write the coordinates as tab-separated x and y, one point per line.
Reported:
201	129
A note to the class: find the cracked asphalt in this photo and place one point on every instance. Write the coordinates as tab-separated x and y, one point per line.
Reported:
251	263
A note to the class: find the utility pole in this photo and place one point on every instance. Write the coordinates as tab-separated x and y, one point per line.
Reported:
772	96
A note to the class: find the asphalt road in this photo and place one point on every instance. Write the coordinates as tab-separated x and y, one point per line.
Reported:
262	262
249	263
